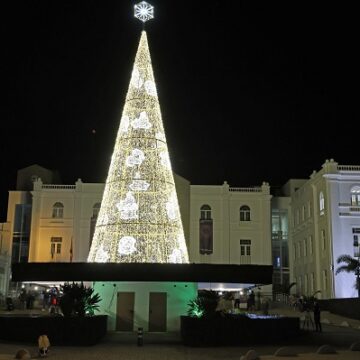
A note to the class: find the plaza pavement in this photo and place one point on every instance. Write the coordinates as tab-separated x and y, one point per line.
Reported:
121	346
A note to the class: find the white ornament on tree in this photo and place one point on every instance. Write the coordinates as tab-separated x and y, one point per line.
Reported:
136	158
139	185
176	257
160	136
136	80
101	255
128	207
165	160
142	122
127	245
124	124
171	207
150	88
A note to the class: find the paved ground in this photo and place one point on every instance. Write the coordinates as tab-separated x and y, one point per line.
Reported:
167	347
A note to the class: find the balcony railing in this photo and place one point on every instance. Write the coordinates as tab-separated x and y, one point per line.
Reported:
58	187
247	189
349	167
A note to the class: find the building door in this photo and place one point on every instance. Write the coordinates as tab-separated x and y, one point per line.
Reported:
125	311
157	311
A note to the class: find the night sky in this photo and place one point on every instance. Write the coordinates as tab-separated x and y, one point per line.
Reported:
250	91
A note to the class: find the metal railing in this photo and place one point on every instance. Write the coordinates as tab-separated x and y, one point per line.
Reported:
247	189
58	187
349	167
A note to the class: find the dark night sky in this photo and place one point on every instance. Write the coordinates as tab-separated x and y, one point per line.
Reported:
249	90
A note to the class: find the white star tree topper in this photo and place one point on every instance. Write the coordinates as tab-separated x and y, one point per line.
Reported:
144	11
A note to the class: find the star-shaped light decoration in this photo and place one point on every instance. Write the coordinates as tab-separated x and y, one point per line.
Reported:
144	11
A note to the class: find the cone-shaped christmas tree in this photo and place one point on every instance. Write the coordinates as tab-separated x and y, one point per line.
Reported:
139	219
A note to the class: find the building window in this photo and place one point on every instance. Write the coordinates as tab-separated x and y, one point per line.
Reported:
309	209
21	234
323	239
299	249
312	283
303	213
356	244
305	248
297	217
300	285
58	210
311	250
245	247
55	246
355	196
205	231
324	273
306	290
294	247
245	251
244	213
93	219
321	203
205	212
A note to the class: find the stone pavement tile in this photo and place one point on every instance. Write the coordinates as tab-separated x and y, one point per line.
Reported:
169	352
6	357
340	355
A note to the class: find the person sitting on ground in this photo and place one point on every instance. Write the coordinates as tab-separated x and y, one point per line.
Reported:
44	345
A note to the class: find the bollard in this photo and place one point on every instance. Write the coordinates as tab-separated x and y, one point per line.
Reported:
140	337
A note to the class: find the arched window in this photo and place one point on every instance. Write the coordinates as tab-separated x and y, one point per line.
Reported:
355	196
58	210
205	212
321	203
244	213
205	231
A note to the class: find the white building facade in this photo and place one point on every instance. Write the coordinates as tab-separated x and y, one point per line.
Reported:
235	230
325	223
301	231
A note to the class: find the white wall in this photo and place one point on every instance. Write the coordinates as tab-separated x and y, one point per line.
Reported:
225	203
178	296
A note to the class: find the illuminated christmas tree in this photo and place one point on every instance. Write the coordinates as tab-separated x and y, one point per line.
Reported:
139	219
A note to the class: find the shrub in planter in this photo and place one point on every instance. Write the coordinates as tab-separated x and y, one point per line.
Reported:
78	300
204	305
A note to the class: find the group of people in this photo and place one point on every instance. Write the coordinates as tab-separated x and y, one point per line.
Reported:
26	299
308	322
231	301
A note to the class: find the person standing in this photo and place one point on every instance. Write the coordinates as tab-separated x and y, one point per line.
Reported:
317	316
308	322
237	300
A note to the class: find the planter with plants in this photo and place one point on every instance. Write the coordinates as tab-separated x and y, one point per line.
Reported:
77	326
207	325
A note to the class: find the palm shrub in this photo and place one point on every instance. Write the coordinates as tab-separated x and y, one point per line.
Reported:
204	305
351	265
78	300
